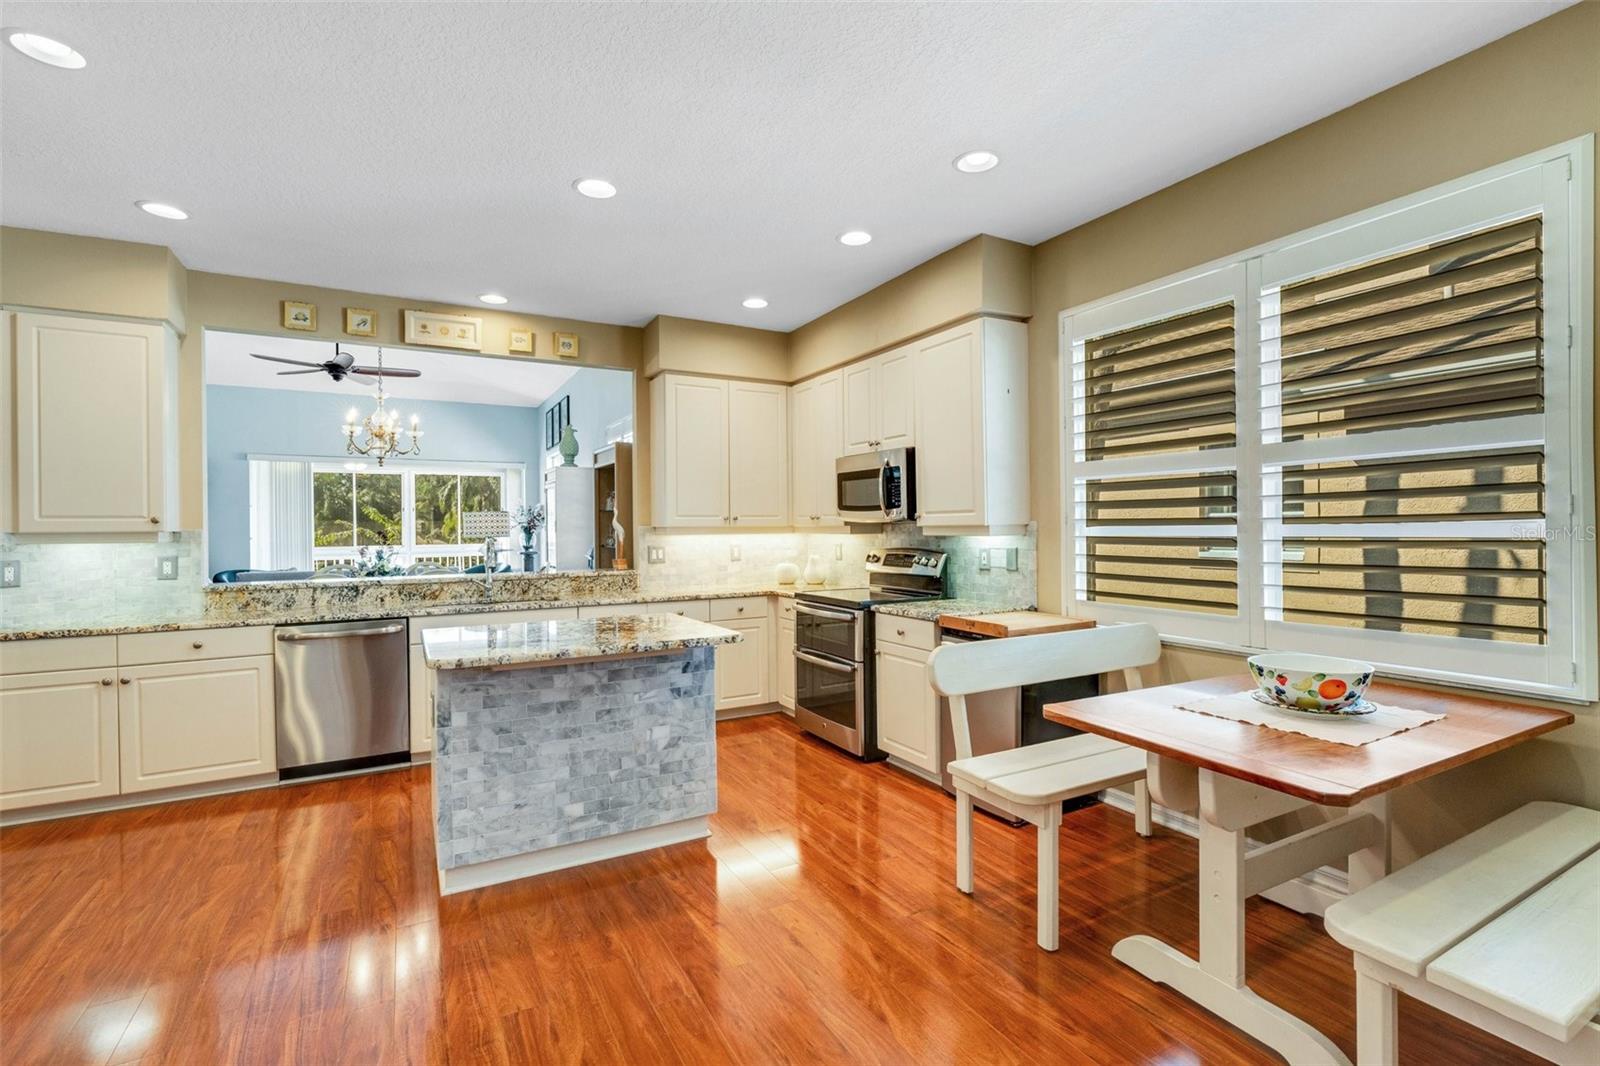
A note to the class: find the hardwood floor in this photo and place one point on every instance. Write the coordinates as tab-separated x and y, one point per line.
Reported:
819	924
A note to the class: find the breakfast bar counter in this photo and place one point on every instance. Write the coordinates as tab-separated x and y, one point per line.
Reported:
565	742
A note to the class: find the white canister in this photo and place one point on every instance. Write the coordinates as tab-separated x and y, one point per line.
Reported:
816	573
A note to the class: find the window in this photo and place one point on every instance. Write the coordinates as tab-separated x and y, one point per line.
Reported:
1372	439
415	512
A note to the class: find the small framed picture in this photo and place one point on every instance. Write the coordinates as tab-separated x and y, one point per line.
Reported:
567	345
435	330
360	322
297	315
521	341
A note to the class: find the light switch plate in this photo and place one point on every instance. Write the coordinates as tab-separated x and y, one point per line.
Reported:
656	554
167	568
838	551
10	573
996	559
735	553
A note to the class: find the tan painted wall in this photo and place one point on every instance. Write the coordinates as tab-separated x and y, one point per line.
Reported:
1535	88
985	275
62	272
691	346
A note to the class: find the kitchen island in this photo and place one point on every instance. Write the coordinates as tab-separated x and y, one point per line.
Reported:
566	742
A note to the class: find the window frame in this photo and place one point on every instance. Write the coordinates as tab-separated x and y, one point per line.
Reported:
1558	183
511	475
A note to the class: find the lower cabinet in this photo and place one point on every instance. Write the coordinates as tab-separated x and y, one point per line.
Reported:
785	662
908	709
188	723
58	737
742	667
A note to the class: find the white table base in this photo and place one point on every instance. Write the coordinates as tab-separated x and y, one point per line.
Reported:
1229	875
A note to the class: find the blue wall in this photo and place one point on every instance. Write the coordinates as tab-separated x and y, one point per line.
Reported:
242	421
599	398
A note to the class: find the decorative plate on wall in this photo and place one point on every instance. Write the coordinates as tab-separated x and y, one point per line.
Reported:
434	330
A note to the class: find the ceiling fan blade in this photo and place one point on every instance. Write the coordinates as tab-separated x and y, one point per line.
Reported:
386	372
363	379
281	359
313	370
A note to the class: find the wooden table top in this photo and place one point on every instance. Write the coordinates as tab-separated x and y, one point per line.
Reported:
1338	775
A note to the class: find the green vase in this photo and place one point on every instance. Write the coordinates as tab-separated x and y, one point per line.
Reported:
568	446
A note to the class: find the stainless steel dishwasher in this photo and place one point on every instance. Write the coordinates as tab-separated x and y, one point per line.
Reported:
343	696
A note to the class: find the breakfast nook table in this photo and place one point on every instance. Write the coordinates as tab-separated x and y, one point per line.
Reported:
1236	774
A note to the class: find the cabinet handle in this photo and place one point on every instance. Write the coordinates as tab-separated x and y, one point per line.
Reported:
127	680
154	520
199	644
105	681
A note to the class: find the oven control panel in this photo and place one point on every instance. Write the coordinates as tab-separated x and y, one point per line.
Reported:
917	562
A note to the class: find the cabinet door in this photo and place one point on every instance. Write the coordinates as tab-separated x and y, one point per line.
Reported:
894	388
815	444
758	454
950	444
58	737
860	428
186	723
694	453
908	710
91	414
785	663
802	456
741	669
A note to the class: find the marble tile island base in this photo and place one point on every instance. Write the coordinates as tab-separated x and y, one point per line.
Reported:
567	742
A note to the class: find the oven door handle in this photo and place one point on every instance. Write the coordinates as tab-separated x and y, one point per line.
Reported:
837	616
826	664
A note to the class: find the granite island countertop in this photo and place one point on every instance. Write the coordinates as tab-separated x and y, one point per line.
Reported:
930	610
333	603
567	640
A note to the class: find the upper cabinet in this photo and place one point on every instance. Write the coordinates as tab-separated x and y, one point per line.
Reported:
971	387
94	416
720	452
815	444
878	402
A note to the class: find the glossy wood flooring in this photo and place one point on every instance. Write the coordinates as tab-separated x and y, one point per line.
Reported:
819	924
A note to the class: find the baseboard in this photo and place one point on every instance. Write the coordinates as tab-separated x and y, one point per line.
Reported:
565	856
1310	893
751	711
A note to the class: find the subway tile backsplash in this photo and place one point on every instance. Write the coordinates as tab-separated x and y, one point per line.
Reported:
102	579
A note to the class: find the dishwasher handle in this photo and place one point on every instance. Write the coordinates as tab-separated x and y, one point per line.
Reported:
338	634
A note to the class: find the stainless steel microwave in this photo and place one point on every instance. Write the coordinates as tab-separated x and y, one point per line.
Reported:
877	486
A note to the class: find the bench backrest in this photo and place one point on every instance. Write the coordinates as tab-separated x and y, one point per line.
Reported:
985	665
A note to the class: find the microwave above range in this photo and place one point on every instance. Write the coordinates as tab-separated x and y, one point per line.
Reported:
877	486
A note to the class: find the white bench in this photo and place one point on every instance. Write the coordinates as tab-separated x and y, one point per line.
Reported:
1500	929
1031	782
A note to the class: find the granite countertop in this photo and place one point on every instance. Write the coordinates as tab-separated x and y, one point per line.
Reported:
532	643
328	609
930	610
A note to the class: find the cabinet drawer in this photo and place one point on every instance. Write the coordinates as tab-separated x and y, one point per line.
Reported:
134	649
59	653
487	618
909	632
741	608
786	608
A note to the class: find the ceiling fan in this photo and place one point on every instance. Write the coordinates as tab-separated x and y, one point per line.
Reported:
342	365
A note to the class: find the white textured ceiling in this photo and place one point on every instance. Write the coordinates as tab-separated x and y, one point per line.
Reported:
427	150
445	375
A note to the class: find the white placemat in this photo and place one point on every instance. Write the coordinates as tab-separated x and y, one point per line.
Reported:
1386	721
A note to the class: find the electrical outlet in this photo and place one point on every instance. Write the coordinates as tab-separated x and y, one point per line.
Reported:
838	551
10	573
656	553
735	553
996	559
167	568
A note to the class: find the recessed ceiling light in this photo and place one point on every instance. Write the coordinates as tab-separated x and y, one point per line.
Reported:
595	188
755	303
46	50
977	162
493	298
855	238
161	210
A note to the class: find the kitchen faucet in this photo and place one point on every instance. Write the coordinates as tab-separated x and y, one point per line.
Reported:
490	525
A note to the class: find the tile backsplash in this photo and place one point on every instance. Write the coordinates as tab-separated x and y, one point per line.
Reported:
86	580
703	559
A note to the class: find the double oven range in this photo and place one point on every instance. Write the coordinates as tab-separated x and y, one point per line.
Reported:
835	686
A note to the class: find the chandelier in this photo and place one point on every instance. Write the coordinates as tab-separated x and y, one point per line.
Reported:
383	435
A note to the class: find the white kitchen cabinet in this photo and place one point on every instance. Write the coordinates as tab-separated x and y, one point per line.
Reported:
58	737
972	428
188	723
758	454
908	708
94	414
815	443
741	669
689	460
784	663
879	402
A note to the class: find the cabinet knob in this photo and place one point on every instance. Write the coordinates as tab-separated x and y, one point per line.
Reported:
105	681
127	680
741	610
899	632
198	645
154	520
735	518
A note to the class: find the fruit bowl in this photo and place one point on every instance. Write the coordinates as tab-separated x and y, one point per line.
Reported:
1314	684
